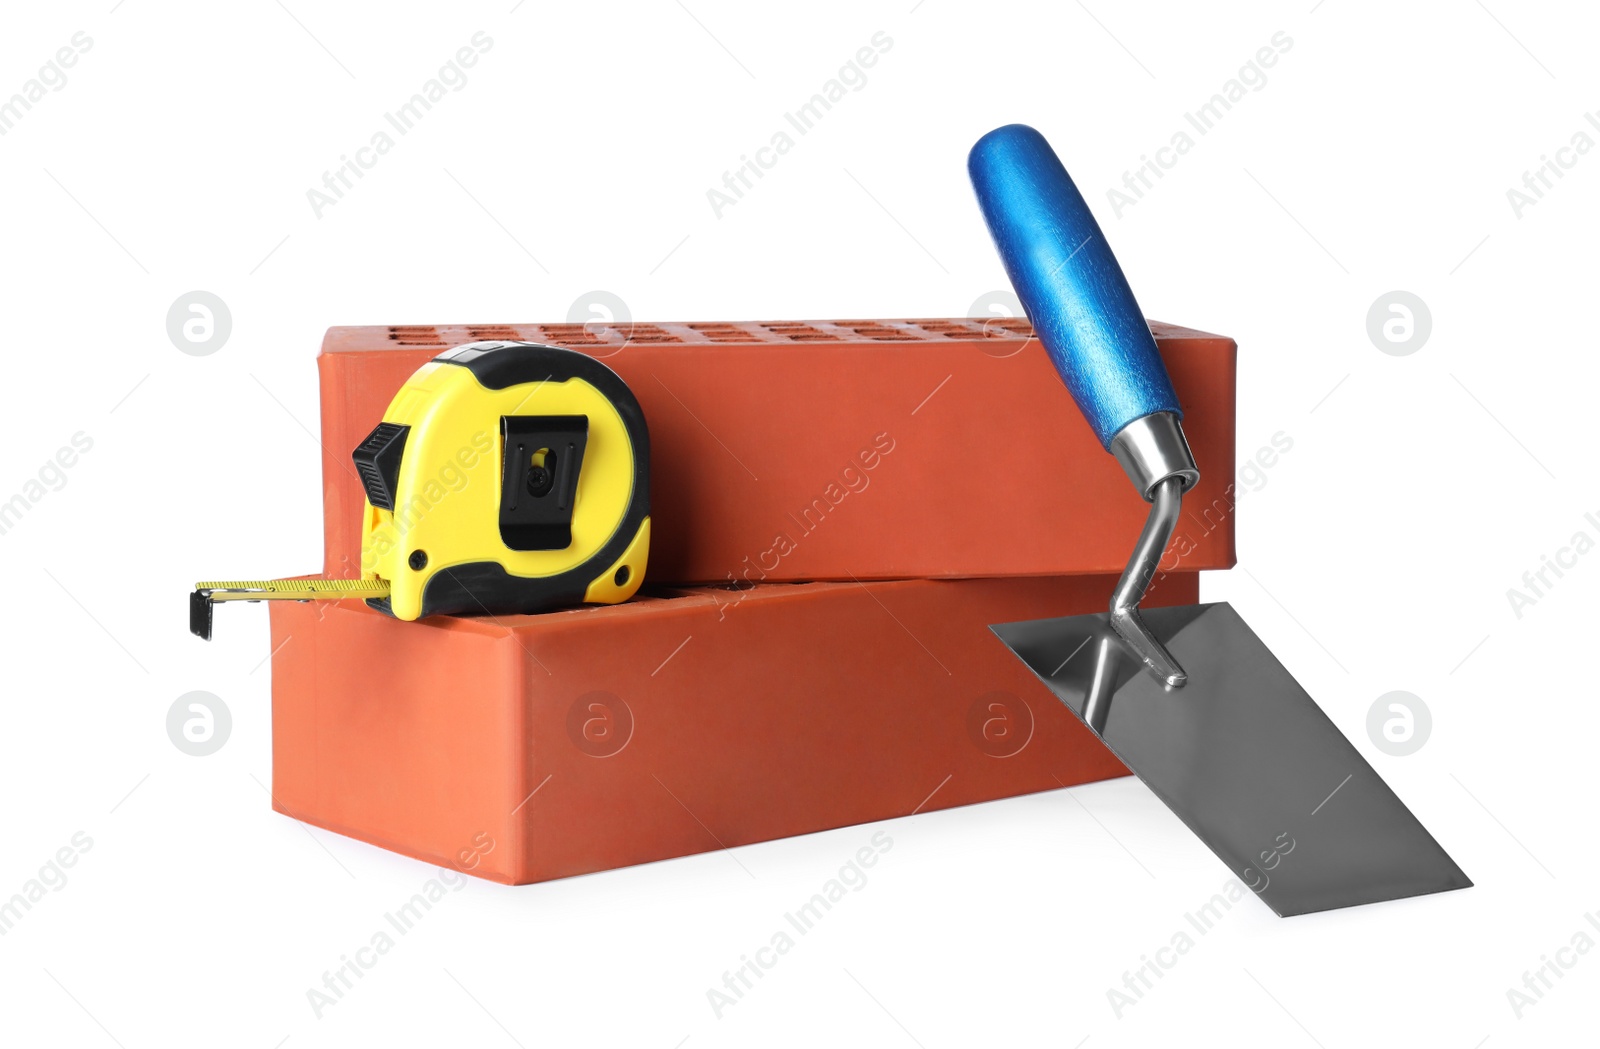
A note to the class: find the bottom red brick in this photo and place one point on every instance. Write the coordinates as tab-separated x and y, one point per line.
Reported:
527	748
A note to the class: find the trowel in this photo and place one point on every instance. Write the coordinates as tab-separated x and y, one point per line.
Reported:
1189	698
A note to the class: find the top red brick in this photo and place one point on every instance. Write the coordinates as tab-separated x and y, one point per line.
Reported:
829	450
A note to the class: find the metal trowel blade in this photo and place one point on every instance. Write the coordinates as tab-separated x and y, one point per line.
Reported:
1243	756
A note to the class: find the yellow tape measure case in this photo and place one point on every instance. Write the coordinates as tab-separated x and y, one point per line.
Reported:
506	478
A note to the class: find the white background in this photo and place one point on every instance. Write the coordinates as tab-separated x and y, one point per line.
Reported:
1376	557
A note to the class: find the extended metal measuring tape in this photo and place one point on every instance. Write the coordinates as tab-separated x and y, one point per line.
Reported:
504	478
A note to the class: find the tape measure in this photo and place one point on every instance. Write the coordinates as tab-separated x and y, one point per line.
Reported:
504	478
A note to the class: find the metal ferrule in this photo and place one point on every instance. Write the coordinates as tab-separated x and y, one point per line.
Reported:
1146	558
1153	448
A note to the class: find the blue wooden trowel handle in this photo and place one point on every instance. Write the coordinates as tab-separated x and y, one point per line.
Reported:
1069	282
